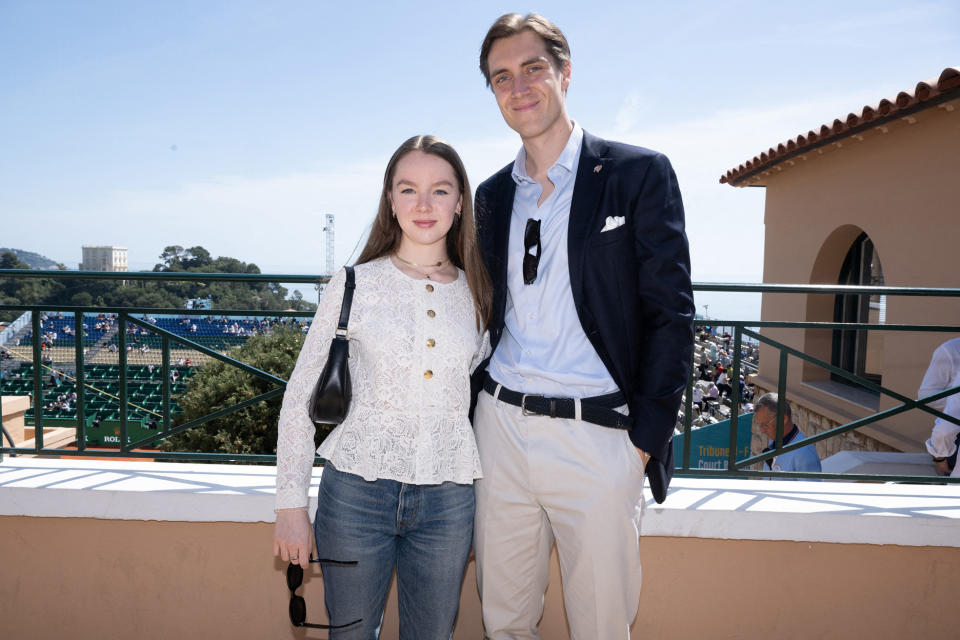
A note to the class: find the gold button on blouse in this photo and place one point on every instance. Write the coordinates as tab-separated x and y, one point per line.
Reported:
429	288
431	313
431	342
428	374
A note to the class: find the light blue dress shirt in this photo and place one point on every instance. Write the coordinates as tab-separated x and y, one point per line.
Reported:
543	349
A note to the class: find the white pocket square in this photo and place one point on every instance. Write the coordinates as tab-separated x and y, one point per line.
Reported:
612	223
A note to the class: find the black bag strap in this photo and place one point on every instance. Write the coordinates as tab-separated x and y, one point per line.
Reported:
347	301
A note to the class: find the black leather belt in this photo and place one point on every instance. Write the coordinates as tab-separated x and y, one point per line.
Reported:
597	410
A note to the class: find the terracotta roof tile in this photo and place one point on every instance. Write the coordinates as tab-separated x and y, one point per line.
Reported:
946	86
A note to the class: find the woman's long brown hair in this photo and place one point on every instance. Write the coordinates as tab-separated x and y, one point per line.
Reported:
462	247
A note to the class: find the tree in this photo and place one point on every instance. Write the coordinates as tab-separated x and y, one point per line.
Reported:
197	258
218	385
296	301
25	290
8	286
171	258
9	260
255	296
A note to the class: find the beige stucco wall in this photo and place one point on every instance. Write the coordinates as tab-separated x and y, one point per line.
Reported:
14	411
91	579
899	186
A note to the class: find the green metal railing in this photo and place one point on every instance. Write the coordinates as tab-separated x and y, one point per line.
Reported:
128	316
741	329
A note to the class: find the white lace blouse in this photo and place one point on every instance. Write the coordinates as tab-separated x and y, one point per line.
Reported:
413	345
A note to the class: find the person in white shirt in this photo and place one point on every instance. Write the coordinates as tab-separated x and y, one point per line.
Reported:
397	488
723	383
942	374
698	397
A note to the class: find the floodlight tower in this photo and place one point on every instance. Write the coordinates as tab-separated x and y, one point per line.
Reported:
328	233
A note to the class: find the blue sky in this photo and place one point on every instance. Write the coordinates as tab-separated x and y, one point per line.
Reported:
236	125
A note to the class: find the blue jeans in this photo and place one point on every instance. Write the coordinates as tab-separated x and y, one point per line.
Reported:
424	531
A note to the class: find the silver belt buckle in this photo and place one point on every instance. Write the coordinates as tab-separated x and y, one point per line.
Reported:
523	404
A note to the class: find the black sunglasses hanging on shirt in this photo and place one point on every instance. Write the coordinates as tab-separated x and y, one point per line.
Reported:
531	239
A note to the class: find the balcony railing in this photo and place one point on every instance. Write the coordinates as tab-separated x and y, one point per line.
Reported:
130	447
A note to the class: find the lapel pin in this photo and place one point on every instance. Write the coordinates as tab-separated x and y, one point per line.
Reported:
597	168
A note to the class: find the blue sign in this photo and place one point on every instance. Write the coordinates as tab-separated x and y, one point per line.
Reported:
710	445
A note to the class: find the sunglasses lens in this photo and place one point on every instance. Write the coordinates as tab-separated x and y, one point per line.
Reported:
531	234
294	577
529	269
298	610
531	239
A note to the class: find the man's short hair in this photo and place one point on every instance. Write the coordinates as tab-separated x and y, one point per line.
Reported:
511	24
770	402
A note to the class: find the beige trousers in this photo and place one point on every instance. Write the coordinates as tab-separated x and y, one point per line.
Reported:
550	479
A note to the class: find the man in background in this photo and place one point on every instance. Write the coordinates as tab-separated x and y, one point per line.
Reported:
765	419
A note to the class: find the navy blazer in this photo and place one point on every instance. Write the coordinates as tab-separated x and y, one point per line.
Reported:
631	285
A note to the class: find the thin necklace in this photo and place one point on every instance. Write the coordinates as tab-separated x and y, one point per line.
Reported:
417	267
421	266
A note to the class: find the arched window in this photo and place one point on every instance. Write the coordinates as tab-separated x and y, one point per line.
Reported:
860	352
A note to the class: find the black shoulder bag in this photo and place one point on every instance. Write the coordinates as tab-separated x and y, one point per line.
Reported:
330	400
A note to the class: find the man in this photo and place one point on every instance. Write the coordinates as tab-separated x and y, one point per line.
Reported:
765	418
592	341
698	397
942	374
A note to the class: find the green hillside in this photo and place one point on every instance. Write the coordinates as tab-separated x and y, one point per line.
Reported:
34	260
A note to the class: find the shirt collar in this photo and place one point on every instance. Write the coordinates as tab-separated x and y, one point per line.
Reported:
787	439
567	159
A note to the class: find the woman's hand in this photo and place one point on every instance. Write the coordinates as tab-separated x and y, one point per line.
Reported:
293	536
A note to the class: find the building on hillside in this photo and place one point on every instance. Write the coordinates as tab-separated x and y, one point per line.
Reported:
869	199
104	259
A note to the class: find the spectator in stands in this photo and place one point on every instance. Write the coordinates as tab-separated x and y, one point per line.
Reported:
723	384
394	448
698	398
713	392
765	419
702	370
944	373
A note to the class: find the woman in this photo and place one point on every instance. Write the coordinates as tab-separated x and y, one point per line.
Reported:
397	486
